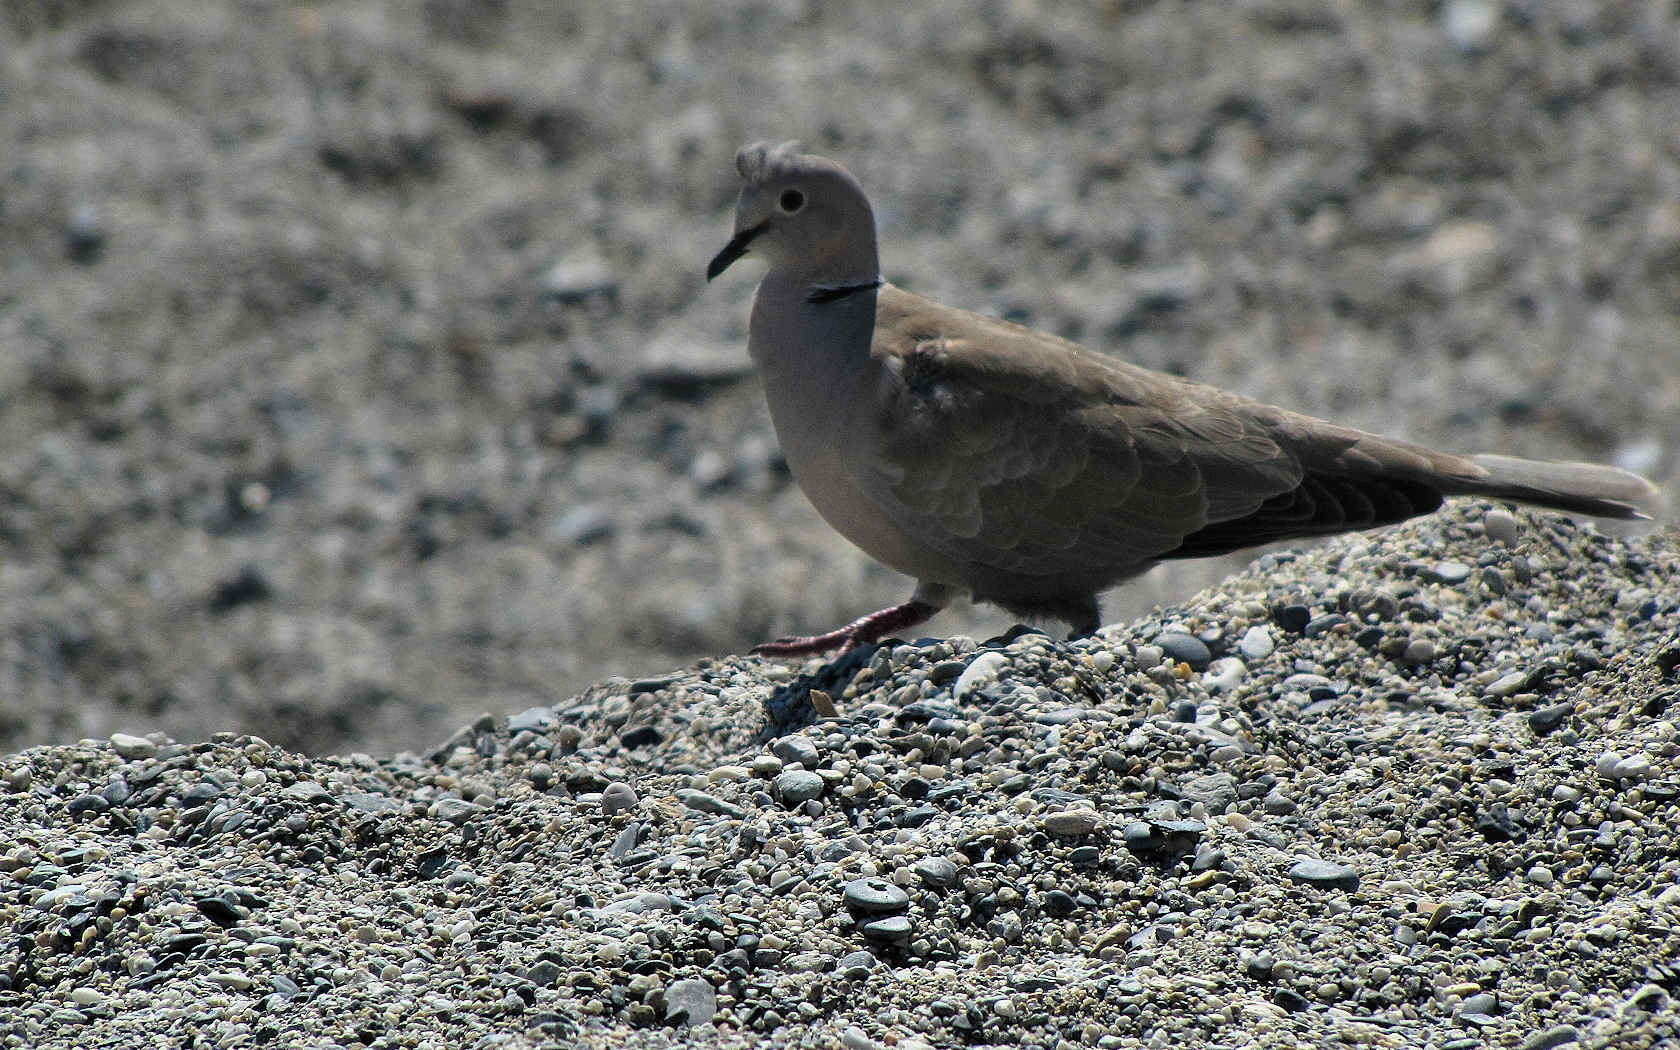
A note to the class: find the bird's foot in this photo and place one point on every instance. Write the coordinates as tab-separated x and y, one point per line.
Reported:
861	631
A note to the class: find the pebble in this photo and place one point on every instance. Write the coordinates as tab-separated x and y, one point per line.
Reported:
936	872
1256	643
1224	675
1419	651
1073	822
133	748
617	797
798	786
874	896
1184	648
1451	573
797	751
982	669
1324	874
1546	719
690	1001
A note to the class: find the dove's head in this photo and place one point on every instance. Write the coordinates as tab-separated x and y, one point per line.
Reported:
804	215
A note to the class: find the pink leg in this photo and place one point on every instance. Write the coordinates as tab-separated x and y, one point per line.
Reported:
858	632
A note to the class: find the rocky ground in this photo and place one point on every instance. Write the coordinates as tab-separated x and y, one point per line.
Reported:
1416	793
357	372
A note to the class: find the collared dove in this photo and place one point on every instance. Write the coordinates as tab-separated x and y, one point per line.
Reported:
979	456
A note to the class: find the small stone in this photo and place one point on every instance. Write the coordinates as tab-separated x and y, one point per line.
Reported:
857	964
1557	1035
1216	791
455	810
1470	24
1646	999
982	669
582	525
1148	657
1278	804
1224	675
307	791
1321	625
797	750
1184	648
892	929
1547	719
1073	822
936	872
1324	874
1633	768
1485	1003
1451	573
133	748
690	1001
535	719
798	786
701	802
1292	618
617	797
1256	643
1606	765
1419	651
1508	684
875	896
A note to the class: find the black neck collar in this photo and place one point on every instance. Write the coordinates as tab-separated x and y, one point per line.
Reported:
829	293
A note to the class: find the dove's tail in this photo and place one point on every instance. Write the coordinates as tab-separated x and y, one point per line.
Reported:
1574	488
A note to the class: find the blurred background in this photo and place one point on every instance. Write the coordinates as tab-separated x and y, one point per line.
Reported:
358	373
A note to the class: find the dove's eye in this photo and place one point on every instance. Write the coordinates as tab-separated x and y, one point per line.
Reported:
791	201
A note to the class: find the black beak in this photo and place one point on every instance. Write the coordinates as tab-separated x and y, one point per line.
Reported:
736	248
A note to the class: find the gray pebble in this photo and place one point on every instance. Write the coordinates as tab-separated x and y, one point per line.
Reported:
133	748
690	1001
1324	874
1278	804
936	872
797	786
1501	526
617	797
1419	651
797	750
1508	685
455	810
982	669
703	802
1451	573
1184	648
1556	1035
857	964
1607	764
1484	1003
1319	625
891	929
1546	719
1073	822
875	896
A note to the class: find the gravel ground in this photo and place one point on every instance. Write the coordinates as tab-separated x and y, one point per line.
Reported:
357	372
1419	790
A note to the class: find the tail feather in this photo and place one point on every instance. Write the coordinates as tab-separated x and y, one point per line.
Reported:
1574	488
